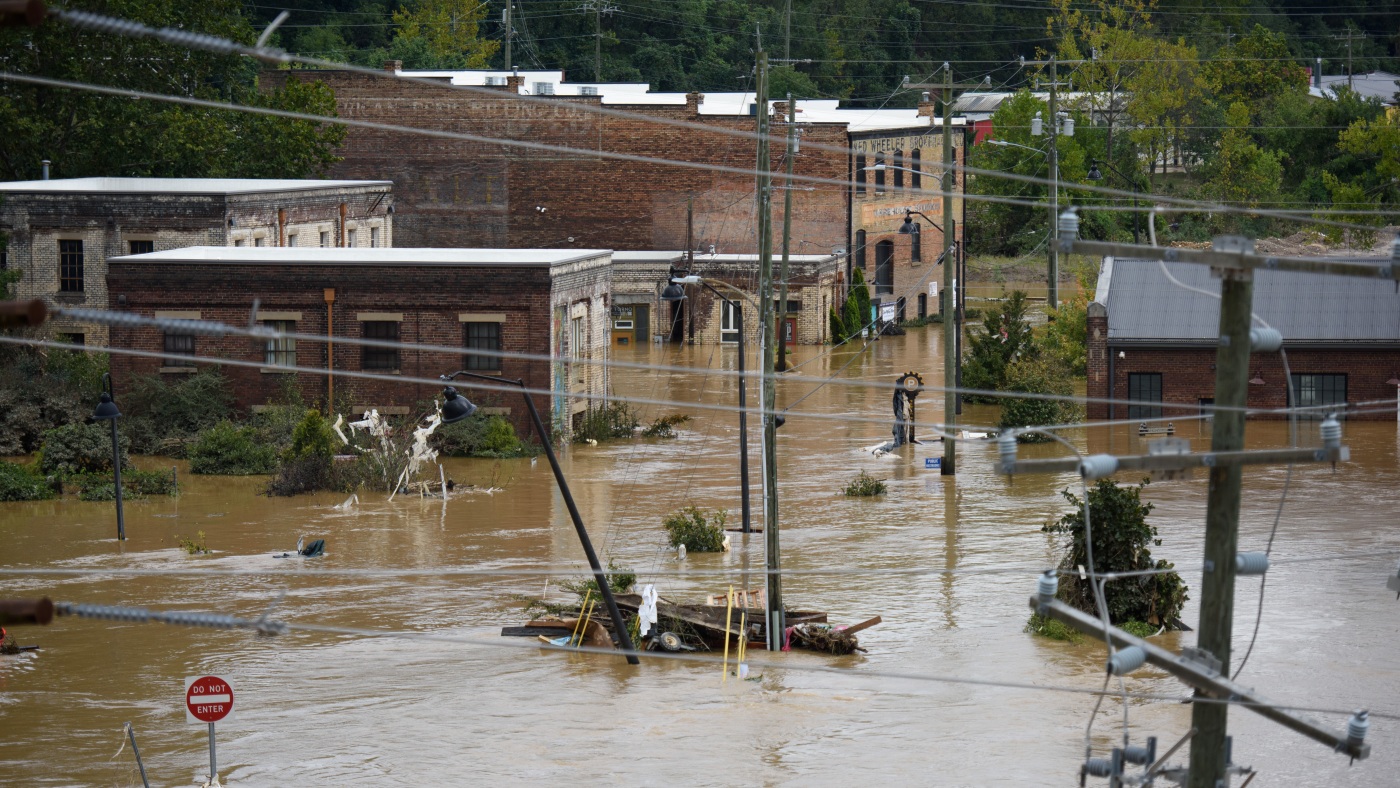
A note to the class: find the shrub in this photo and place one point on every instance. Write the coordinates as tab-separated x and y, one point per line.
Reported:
1122	538
228	450
80	448
1005	336
1054	629
136	484
479	436
665	427
163	417
308	464
700	531
865	485
837	327
313	438
195	546
1037	376
20	483
43	390
613	420
620	581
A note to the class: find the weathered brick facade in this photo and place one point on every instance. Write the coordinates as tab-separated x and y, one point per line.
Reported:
108	216
533	296
464	194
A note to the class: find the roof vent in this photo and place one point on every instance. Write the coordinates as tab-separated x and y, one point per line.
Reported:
544	88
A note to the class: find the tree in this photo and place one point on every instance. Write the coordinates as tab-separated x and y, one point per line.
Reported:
1255	71
1112	38
448	31
1036	375
1005	336
86	134
1164	93
1241	173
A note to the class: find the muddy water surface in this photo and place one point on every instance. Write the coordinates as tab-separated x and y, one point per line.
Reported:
318	709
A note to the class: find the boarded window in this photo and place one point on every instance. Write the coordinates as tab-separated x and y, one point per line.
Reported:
916	245
380	358
898	169
884	268
70	266
482	336
860	249
880	173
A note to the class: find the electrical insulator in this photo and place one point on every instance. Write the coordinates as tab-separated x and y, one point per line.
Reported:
1126	660
1265	340
1251	563
1067	127
1069	225
1048	585
1037	126
1141	755
1006	445
1331	432
1098	466
1104	767
1357	727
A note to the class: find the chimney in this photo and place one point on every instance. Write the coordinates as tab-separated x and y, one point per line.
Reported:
513	83
693	102
46	163
1317	73
780	111
926	105
393	66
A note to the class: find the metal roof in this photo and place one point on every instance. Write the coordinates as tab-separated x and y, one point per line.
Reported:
1143	306
279	255
1373	84
178	185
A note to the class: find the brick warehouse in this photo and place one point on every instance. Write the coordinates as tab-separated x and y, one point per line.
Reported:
467	194
551	303
61	232
1154	342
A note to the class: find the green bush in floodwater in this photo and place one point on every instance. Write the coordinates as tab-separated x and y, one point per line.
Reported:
699	530
229	450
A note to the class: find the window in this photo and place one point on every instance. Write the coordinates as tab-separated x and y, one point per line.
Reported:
281	351
1319	390
860	249
239	242
351	236
898	173
729	321
900	305
291	239
1145	387
916	244
577	349
923	305
482	336
860	175
880	173
141	247
258	241
4	259
73	339
374	237
325	238
179	344
794	306
380	358
70	266
916	178
884	268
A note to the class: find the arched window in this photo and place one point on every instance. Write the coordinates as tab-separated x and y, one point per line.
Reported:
916	179
898	172
880	173
860	249
860	174
884	268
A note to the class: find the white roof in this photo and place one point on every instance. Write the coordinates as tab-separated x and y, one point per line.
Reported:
753	258
1374	84
647	257
277	255
179	185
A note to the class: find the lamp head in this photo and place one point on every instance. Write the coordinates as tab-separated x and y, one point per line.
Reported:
1095	174
673	292
908	228
455	407
106	408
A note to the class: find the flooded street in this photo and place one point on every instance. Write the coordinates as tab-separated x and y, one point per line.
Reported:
320	709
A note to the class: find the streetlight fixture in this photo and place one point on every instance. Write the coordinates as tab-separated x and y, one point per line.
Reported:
952	339
107	411
455	407
1095	174
675	291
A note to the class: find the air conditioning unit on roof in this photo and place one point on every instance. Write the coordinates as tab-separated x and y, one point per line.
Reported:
495	82
588	90
544	88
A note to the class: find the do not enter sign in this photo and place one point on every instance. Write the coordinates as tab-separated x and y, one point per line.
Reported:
207	699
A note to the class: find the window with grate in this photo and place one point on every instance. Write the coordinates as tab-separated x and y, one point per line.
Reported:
381	358
1145	387
1316	391
141	247
281	351
70	266
482	336
916	178
179	344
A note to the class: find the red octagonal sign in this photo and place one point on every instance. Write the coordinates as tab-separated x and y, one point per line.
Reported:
207	699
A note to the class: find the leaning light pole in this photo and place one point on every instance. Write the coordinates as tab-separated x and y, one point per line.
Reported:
107	411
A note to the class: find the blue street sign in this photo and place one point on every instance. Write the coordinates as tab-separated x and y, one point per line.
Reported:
933	462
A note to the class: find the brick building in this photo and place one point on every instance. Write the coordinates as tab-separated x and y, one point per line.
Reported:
61	232
479	194
1155	343
546	302
888	166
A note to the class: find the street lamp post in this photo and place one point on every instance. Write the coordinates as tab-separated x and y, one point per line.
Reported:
675	292
952	334
107	411
456	407
1095	174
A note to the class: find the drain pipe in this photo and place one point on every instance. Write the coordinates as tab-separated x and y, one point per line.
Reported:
281	226
330	350
342	225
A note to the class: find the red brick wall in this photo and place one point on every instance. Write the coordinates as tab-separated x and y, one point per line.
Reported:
454	193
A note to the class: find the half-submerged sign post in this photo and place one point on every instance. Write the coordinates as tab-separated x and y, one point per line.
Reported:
208	699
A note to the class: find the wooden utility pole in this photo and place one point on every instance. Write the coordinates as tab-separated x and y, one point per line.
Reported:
1349	37
1223	516
510	32
787	236
1052	255
775	623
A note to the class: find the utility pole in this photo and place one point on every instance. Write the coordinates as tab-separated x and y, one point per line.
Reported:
598	7
787	235
690	262
787	33
1052	254
510	32
1349	37
775	623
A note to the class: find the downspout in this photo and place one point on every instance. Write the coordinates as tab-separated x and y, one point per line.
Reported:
281	226
1111	379
342	225
330	349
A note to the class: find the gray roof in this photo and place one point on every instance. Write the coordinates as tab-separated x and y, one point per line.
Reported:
1144	307
1373	84
277	255
179	185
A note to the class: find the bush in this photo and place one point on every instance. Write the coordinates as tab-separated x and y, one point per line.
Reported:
479	436
135	484
313	439
20	483
665	427
1004	338
41	391
865	485
1037	376
195	546
1047	627
620	581
163	418
613	420
228	450
274	425
1122	538
700	531
308	464
80	448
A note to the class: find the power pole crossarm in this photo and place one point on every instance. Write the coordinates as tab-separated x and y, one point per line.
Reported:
1200	676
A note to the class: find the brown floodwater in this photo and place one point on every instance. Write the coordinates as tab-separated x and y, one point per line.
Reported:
320	709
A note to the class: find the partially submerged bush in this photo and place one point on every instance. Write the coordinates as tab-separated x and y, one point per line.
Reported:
665	427
479	436
866	485
1037	376
43	389
229	450
611	421
163	416
1054	629
620	581
80	448
195	546
21	483
699	530
136	484
308	464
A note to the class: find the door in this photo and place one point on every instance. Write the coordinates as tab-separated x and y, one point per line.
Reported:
884	268
729	320
641	314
